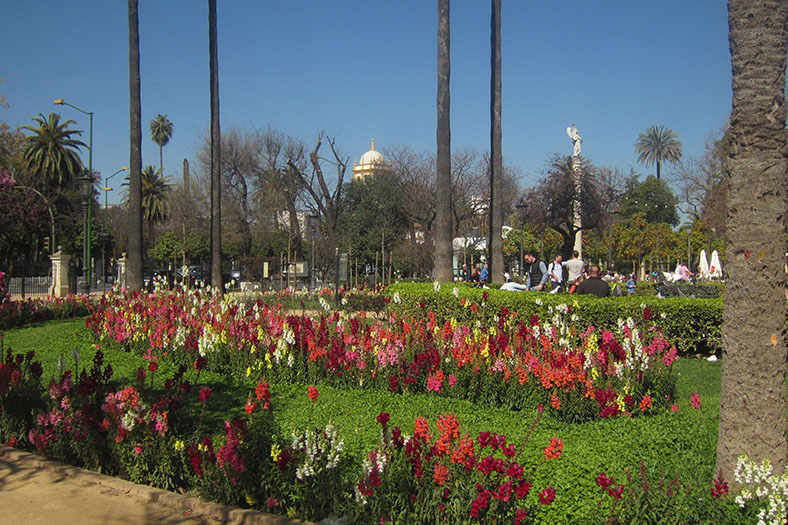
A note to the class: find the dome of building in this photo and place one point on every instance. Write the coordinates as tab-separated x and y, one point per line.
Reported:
372	156
370	163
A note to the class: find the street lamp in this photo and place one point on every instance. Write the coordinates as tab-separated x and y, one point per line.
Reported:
106	189
104	235
87	188
521	206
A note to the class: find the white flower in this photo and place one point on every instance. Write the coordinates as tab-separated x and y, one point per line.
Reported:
396	298
437	286
456	292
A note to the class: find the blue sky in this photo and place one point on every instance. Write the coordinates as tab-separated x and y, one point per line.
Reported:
363	69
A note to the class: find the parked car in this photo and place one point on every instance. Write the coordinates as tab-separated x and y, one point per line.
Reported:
162	276
197	275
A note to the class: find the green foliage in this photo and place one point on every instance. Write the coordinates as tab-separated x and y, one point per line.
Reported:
653	198
693	325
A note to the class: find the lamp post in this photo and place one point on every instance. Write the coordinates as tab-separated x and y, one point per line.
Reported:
87	181
104	235
521	206
107	189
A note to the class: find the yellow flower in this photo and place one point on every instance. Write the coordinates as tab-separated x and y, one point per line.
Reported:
179	445
248	371
250	500
275	451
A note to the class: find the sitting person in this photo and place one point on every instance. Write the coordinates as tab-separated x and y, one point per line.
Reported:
514	286
594	284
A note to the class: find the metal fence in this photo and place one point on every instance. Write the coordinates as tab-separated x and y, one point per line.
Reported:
33	286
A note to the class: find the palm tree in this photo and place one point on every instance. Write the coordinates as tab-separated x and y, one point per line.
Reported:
161	133
443	237
216	179
155	198
657	145
51	152
496	156
752	395
134	265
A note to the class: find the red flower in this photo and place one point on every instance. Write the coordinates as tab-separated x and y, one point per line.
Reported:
153	366
200	363
645	403
250	406
547	496
205	394
441	474
616	493
263	393
519	516
603	481
646	314
485	296
383	418
312	393
553	450
720	486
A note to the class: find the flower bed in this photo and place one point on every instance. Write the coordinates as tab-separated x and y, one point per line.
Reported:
577	373
17	313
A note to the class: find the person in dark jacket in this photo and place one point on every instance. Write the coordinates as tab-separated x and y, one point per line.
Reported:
537	272
594	284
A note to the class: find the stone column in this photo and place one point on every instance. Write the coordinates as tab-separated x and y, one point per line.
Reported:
60	276
121	280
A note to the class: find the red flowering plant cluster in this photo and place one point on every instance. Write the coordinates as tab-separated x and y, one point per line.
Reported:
19	312
447	476
510	364
20	383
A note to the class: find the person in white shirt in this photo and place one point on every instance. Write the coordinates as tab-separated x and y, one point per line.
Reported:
556	272
574	267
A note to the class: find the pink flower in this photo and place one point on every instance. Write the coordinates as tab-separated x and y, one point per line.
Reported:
138	449
674	407
695	401
452	380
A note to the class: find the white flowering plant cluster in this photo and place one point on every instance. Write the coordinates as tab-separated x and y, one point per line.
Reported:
760	485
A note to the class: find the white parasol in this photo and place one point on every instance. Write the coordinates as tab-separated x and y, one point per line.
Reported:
704	266
716	265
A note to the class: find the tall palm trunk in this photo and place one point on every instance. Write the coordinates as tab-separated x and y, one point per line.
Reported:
752	397
216	180
496	156
443	233
134	265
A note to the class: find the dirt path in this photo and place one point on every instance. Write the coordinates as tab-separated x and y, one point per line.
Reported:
37	490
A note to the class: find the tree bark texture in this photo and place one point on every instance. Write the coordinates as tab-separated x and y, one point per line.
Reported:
496	156
752	397
443	229
134	265
216	179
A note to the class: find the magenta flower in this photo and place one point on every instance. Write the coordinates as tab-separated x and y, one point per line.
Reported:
547	496
695	401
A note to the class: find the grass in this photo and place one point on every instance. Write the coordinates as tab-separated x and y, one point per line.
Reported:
683	442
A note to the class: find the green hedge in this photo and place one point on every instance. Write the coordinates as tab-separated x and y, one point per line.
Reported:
693	325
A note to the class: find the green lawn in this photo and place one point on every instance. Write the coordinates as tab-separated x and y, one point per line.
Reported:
682	442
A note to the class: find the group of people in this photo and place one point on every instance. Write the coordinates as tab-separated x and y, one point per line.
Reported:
572	276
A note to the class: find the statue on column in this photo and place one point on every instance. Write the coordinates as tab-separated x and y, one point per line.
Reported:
576	139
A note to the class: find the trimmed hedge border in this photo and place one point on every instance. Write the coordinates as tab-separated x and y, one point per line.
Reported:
693	325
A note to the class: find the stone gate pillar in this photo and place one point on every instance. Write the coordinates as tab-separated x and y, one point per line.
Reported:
60	276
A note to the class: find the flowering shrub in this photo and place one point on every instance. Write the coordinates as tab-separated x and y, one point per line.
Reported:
449	477
579	373
762	490
17	313
20	379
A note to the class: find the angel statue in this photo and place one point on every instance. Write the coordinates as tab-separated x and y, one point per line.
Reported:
576	140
